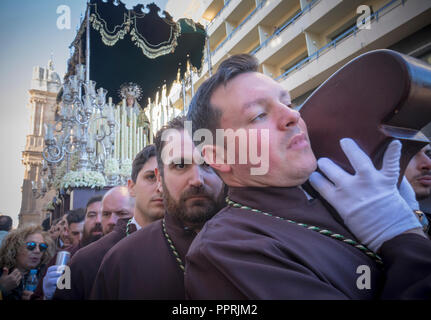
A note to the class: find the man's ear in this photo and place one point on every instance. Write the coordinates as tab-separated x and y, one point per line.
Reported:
131	188
214	157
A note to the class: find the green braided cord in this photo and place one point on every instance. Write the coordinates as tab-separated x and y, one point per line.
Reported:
325	232
127	227
171	245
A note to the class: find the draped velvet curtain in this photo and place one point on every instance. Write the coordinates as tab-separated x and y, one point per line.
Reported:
138	45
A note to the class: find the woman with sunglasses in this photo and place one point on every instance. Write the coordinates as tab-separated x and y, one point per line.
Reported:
22	250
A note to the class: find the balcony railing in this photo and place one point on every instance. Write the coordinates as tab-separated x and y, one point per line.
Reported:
239	26
333	43
218	13
284	26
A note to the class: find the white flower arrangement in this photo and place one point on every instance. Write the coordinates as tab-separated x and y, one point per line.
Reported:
126	168
84	178
111	167
61	171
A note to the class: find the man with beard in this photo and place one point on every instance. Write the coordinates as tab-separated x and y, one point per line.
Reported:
117	209
75	227
92	231
418	173
149	264
93	221
275	241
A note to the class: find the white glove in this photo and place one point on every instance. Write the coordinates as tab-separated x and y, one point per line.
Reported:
50	281
369	201
408	193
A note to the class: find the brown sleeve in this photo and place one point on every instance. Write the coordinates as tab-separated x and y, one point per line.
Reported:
105	286
247	271
407	260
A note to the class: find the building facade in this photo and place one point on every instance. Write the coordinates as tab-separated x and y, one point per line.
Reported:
44	87
300	43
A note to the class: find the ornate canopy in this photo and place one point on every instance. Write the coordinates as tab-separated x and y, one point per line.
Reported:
137	46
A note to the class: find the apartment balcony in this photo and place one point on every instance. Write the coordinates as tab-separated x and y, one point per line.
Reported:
314	36
213	11
392	22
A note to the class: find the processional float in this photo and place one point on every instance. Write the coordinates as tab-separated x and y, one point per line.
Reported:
123	65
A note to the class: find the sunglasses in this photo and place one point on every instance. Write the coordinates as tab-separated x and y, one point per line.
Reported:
32	245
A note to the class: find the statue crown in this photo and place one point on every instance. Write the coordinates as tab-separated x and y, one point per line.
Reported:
130	89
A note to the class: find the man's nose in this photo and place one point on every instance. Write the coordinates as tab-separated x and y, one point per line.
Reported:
426	163
288	117
112	219
196	178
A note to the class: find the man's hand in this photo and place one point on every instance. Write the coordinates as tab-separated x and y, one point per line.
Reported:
50	281
10	281
369	201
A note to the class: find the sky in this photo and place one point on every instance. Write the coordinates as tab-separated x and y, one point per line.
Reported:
28	37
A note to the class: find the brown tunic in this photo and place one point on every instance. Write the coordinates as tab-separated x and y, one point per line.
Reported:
86	262
143	266
240	254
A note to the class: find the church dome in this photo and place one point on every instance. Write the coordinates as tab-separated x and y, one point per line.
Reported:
53	77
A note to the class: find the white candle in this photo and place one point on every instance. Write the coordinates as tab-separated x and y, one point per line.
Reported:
123	130
139	139
129	131
134	151
117	134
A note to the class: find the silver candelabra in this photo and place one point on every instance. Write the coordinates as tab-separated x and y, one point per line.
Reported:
85	126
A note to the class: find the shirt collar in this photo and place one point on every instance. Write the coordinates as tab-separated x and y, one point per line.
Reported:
138	227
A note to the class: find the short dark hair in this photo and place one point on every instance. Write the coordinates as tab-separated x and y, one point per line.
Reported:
75	216
201	112
5	223
93	200
176	123
141	159
46	224
55	221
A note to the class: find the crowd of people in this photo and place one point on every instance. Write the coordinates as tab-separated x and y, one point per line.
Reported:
189	227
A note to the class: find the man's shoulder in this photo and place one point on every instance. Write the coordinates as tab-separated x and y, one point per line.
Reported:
229	219
93	249
135	242
226	226
72	249
148	232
